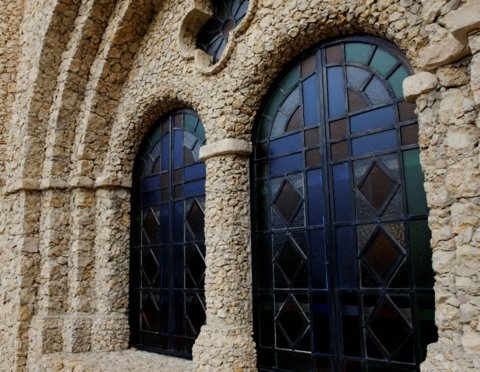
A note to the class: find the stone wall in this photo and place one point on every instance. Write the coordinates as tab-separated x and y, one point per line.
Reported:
81	83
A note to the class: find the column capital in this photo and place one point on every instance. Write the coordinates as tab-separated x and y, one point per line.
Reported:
224	147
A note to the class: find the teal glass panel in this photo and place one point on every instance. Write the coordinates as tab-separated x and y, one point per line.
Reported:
190	123
200	132
396	80
358	52
421	253
383	62
291	80
263	131
274	103
416	200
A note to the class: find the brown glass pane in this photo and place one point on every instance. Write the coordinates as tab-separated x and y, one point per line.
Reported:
292	322
164	180
150	270
165	127
313	158
387	321
177	176
188	157
376	187
177	192
339	150
288	201
409	134
195	219
296	121
312	137
150	224
335	54
338	129
382	255
308	66
262	169
290	260
356	101
406	111
178	121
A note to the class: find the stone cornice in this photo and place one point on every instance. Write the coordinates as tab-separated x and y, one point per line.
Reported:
225	147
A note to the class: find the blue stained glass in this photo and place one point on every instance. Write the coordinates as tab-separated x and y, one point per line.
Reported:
377	92
178	222
177	148
310	101
318	258
336	91
374	143
164	223
316	205
194	172
196	188
189	140
285	164
151	197
279	124
357	76
165	152
346	260
342	186
150	183
375	119
285	144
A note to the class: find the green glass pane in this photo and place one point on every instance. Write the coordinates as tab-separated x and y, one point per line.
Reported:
383	61
358	52
189	122
416	200
291	80
421	253
200	132
263	130
396	81
274	103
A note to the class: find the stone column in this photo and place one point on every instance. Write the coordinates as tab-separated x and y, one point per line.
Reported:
225	342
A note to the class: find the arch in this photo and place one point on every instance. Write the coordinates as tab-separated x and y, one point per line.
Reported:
167	304
341	239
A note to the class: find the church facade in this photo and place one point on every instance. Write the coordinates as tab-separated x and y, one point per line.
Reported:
240	185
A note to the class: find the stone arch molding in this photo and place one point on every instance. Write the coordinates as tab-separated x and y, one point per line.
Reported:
199	12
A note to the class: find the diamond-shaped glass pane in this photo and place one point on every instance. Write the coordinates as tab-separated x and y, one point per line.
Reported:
290	260
194	265
150	224
195	314
196	220
150	269
377	187
293	322
288	201
387	321
150	315
382	255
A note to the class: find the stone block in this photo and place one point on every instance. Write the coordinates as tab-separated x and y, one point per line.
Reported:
417	84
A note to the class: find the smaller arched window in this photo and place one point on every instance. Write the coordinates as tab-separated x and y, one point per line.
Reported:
167	302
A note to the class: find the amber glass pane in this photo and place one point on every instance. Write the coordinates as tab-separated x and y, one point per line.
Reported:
338	129
409	134
335	53
339	150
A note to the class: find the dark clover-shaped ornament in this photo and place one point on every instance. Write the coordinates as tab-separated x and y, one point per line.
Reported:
213	37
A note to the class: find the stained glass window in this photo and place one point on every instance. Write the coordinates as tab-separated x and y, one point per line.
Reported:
167	301
227	14
341	256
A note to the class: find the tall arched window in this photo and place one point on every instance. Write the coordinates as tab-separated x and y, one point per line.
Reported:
342	264
167	304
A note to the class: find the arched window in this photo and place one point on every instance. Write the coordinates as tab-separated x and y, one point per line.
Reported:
342	264
167	304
